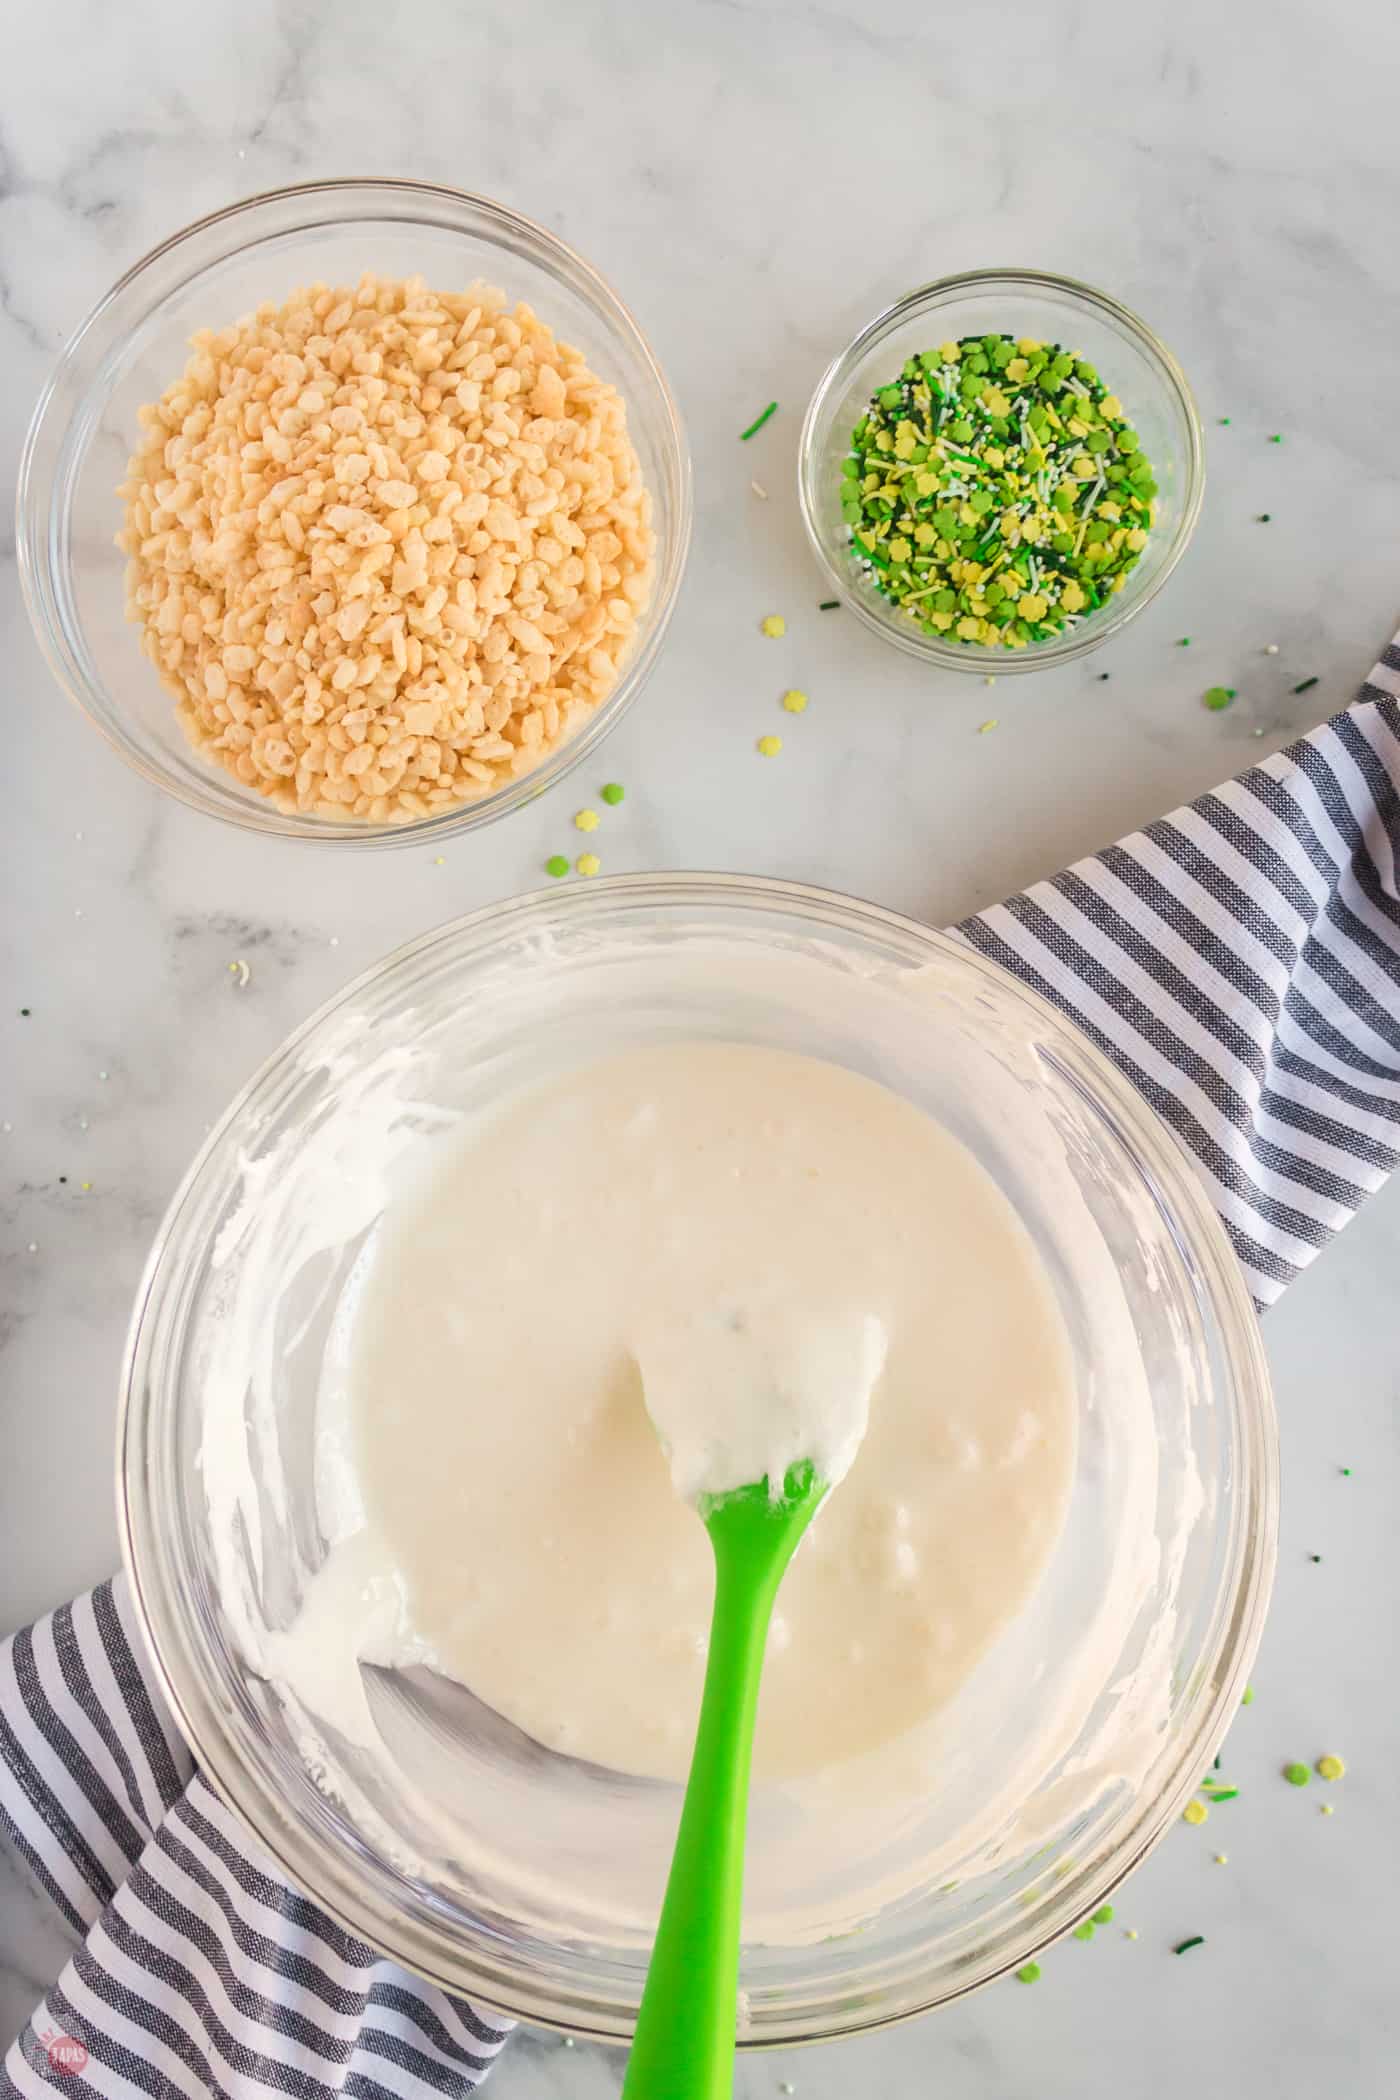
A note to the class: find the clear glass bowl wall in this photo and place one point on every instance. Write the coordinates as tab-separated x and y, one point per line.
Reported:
544	1901
136	342
1130	359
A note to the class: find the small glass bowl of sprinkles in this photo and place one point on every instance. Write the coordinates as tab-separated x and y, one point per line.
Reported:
1001	470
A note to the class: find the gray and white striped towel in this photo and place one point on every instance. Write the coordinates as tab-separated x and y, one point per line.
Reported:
1239	961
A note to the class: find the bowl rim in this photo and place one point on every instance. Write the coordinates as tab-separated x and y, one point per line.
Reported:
39	499
979	657
328	1875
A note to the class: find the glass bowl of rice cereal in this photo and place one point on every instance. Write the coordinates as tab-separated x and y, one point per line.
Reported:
356	511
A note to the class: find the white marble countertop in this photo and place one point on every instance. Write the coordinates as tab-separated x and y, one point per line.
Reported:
757	180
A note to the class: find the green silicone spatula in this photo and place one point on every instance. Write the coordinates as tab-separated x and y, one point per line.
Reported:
684	2047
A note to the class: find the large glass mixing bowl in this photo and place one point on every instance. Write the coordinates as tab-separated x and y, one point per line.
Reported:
1080	1735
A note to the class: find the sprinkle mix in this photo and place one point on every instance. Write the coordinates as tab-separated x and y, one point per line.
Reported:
995	491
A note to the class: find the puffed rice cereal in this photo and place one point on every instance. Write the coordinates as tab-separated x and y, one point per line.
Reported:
387	546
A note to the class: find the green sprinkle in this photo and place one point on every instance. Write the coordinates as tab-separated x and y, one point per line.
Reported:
1316	1559
1306	686
1297	1775
1217	698
613	793
830	605
1346	1472
1197	1939
1277	438
556	866
759	421
1084	1931
1103	1915
1103	677
996	495
1224	419
1263	518
1029	1972
1248	1699
1185	642
1222	1793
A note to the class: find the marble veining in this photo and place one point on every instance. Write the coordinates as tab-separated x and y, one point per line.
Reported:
757	180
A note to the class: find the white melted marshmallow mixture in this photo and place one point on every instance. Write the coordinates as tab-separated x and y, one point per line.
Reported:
756	1245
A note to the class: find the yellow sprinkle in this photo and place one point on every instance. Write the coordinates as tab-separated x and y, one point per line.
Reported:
1194	1812
1222	1859
949	352
1111	406
1017	370
794	701
774	626
1328	1808
86	1186
588	864
1329	1767
990	679
1131	1933
439	860
770	746
1028	344
969	628
586	820
983	727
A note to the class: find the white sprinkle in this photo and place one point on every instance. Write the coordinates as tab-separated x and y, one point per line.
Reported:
1258	732
785	2085
77	911
34	1246
335	940
241	971
1271	648
568	2041
102	1075
78	836
7	1128
82	1122
758	491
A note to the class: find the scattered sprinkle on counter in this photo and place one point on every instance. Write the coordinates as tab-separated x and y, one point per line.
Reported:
586	820
1271	648
439	860
1327	1809
1224	419
795	701
1329	1767
1316	1559
775	626
985	728
996	492
1029	1972
1305	686
1263	518
829	605
240	970
613	793
760	492
1222	1859
1346	1472
1297	1775
588	864
1084	1931
1217	698
1131	1933
1194	1812
758	422
1103	1915
1197	1939
769	746
557	866
1248	1697
1277	438
1223	1793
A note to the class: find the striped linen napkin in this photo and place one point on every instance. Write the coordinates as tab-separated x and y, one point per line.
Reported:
1240	963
